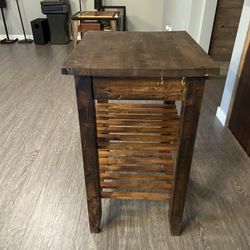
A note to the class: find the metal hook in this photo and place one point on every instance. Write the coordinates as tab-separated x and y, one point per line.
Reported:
183	81
162	80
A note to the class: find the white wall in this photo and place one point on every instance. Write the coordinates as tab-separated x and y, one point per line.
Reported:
223	112
207	22
194	16
30	9
177	14
201	21
143	15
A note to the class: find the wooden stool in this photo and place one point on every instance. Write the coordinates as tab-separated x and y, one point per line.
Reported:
140	151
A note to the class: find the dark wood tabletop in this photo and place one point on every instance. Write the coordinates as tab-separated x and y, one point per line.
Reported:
139	54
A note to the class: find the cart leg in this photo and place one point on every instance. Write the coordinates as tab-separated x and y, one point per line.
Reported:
74	24
113	25
86	110
190	117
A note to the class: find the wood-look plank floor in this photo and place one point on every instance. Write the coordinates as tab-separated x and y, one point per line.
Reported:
42	197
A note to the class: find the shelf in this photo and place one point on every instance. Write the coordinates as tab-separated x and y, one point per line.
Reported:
136	145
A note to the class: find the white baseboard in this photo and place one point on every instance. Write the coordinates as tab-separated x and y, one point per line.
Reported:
221	116
19	37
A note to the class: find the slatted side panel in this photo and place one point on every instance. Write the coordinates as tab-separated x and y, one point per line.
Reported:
136	146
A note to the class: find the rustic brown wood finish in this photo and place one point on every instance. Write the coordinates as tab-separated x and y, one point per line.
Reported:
139	54
190	116
89	150
134	89
239	122
225	28
137	150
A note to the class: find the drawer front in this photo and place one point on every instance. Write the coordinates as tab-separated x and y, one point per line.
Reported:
138	89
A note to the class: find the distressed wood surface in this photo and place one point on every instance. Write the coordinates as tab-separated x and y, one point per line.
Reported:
225	28
139	54
239	122
136	196
134	89
190	116
132	163
87	121
137	185
42	197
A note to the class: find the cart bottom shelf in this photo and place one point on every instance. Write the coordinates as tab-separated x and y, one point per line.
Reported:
136	146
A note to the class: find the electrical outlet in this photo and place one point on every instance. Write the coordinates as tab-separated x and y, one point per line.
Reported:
168	27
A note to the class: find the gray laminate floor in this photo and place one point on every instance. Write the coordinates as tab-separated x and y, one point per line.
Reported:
42	199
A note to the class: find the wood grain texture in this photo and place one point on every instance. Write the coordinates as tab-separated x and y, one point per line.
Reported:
137	185
136	196
135	168
42	193
239	122
89	26
137	160
142	177
137	54
225	29
190	116
134	89
87	121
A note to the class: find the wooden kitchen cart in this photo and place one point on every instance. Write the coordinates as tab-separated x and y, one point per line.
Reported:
135	143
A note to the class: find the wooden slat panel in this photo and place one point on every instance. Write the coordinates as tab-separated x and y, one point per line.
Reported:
160	169
136	130
142	177
137	185
137	146
142	123
139	157
125	106
134	89
119	153
147	138
136	117
134	161
151	111
136	195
